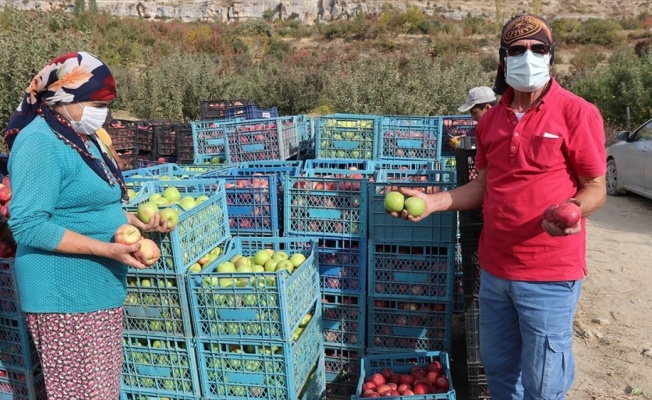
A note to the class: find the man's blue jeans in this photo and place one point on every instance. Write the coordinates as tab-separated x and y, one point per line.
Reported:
526	337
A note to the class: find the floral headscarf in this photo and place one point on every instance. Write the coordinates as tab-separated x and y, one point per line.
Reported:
72	78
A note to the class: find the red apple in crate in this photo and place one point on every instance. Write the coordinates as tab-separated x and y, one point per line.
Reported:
386	373
422	388
434	366
148	253
127	234
5	194
442	383
377	379
368	386
382	389
369	394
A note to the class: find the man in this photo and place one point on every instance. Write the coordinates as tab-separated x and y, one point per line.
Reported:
540	145
478	101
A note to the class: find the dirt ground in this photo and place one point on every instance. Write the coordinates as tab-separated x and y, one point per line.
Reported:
613	326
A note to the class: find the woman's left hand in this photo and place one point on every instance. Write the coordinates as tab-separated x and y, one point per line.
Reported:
155	224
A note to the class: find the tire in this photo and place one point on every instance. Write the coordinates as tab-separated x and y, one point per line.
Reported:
612	179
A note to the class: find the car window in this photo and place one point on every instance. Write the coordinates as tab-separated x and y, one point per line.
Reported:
645	133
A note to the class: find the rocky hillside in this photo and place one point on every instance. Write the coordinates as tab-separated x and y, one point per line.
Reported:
327	10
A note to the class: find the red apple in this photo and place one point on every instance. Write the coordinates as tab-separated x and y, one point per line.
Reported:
432	377
149	252
422	388
392	385
442	382
407	392
407	379
370	394
434	366
368	386
377	380
392	393
402	387
5	194
566	215
161	160
127	234
417	372
386	373
548	213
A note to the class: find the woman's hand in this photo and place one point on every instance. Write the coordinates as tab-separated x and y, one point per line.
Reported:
155	223
124	254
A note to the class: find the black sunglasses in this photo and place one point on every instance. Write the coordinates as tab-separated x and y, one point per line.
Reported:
538	48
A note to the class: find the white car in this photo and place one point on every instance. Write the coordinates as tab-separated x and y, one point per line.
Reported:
629	162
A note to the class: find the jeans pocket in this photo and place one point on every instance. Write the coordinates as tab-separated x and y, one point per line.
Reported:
559	366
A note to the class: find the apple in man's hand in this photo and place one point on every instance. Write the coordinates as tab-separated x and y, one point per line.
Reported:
127	234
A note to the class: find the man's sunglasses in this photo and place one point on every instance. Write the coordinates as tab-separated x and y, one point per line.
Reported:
517	50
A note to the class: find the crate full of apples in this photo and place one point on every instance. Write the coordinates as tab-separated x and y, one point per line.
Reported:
414	376
253	140
209	140
294	135
409	138
196	208
346	136
260	288
252	204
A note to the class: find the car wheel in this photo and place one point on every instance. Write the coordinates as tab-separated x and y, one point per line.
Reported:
612	179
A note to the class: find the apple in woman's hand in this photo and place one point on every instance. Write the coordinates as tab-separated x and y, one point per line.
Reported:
127	234
148	253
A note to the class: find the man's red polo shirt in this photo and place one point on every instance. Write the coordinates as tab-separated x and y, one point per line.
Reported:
531	164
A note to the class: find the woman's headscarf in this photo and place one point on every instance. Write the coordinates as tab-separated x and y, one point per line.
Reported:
72	78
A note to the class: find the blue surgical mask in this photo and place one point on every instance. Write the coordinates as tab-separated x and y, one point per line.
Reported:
528	72
91	120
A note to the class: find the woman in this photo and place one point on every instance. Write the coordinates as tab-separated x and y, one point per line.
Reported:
64	212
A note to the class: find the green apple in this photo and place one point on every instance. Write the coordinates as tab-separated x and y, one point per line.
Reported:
161	202
165	177
216	251
297	259
216	160
188	203
280	255
305	320
201	199
242	262
145	283
235	258
226	267
146	211
196	267
261	257
154	196
285	265
171	193
270	265
258	268
394	201
131	193
415	206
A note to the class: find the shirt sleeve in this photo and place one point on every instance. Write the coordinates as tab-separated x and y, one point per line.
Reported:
586	147
35	172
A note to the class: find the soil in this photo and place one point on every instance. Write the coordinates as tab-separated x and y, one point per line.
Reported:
613	330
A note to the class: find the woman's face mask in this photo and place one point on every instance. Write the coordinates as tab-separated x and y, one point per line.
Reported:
528	72
91	120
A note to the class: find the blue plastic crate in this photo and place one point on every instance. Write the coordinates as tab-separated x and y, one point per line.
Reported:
260	305
20	384
148	395
403	363
262	369
342	265
409	138
346	136
9	300
315	387
455	126
343	320
135	178
198	231
326	203
17	349
411	165
440	227
408	325
342	371
254	140
160	366
157	304
271	164
280	172
294	135
340	163
250	111
415	271
209	140
252	204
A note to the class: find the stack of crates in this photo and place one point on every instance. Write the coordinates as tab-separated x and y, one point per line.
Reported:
124	139
346	136
159	349
209	141
470	228
258	334
328	202
20	373
173	142
217	109
410	265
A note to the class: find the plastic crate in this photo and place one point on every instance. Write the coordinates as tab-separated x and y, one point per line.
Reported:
166	137
343	320
458	293
408	325
340	163
198	230
156	304
409	137
440	227
333	205
472	331
294	136
411	271
315	387
216	109
413	165
342	371
252	204
346	136
253	140
22	384
342	265
209	141
185	147
403	363
148	395
466	172
478	388
9	300
253	306
272	164
251	111
455	126
469	237
17	349
279	172
129	158
123	136
272	370
160	366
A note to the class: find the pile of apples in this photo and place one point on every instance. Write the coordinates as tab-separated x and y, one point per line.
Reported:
427	379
